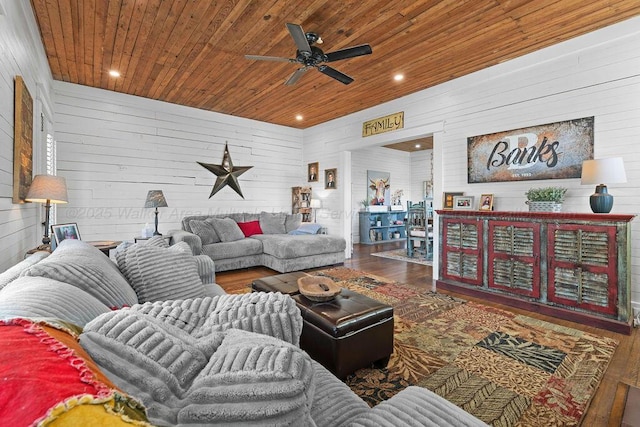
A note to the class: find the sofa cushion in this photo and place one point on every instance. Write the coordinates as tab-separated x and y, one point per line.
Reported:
240	248
292	222
227	229
39	297
12	273
84	266
48	379
158	274
250	228
273	223
204	229
286	246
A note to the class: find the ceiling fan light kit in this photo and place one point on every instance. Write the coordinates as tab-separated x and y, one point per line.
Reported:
310	56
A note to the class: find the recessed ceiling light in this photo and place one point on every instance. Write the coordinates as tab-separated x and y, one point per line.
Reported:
418	145
114	73
398	77
299	117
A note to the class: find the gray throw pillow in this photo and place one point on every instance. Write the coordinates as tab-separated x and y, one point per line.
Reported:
292	222
205	230
82	265
272	223
227	229
160	274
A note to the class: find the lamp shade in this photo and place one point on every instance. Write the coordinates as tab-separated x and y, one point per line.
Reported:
155	199
315	203
603	171
47	188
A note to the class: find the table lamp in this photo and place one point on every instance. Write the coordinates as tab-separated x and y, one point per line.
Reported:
155	199
599	171
315	204
47	189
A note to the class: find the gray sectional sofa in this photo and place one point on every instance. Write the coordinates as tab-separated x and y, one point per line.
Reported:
87	341
282	242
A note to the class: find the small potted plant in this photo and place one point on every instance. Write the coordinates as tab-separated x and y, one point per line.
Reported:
546	199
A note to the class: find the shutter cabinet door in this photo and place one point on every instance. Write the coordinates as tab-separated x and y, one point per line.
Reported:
513	260
462	250
582	267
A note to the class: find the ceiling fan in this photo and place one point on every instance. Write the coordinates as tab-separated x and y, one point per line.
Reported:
311	56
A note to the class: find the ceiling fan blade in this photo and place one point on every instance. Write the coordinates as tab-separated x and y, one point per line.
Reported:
269	58
349	52
298	35
332	72
296	76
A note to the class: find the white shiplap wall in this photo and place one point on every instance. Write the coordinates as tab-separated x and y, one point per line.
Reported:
594	75
113	148
420	172
21	53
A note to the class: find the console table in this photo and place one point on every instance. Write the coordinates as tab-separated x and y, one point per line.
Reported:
570	265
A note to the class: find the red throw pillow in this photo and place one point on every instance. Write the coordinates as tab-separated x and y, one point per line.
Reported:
250	228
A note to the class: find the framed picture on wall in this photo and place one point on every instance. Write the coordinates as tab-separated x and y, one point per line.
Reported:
331	179
312	172
65	231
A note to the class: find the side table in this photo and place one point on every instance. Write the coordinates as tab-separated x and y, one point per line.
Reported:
105	245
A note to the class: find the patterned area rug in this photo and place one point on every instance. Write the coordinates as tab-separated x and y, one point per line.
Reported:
401	254
504	368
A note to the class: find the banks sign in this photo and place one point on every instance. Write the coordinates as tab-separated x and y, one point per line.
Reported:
550	151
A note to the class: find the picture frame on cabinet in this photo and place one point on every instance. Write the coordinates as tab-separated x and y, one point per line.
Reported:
486	202
447	199
463	203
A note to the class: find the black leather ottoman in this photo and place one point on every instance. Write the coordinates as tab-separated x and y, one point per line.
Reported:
350	332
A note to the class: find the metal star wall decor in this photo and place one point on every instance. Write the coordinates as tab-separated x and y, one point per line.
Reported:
226	173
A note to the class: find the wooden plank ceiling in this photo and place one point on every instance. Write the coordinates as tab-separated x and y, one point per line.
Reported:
191	52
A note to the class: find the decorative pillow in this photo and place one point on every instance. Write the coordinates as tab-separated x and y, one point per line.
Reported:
158	241
158	274
250	228
82	265
205	230
39	297
292	222
307	229
227	229
48	379
273	223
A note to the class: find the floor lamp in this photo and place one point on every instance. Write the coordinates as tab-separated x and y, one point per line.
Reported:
155	199
47	189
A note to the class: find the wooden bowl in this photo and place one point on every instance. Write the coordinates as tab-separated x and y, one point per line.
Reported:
318	288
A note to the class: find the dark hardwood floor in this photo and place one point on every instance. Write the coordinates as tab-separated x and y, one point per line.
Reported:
624	367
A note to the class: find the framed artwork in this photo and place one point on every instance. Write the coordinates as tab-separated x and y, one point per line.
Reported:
312	172
486	202
22	141
65	231
548	151
427	189
447	200
378	188
331	179
463	203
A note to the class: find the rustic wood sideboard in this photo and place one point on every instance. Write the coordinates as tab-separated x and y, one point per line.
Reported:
573	266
